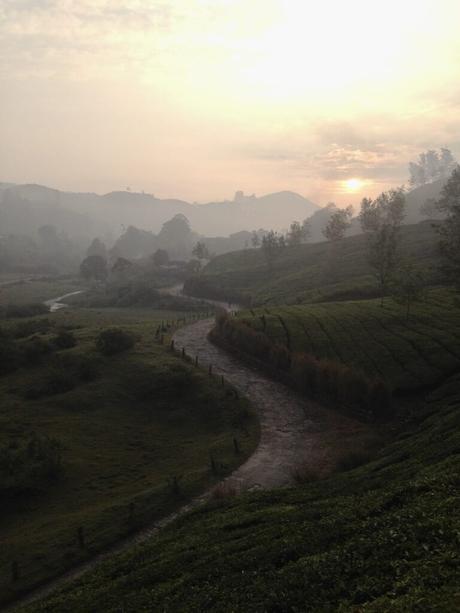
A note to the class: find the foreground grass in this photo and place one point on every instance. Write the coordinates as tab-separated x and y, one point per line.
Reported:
307	273
143	421
381	537
378	340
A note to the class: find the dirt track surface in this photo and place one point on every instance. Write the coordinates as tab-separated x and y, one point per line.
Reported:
294	431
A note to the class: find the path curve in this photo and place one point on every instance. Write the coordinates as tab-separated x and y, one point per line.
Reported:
291	438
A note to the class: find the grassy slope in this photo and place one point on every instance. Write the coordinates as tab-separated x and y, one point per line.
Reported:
382	537
377	340
305	273
118	448
26	292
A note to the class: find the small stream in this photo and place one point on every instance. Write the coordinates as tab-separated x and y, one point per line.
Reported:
56	304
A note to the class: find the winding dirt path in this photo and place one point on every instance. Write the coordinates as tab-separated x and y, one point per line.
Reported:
295	435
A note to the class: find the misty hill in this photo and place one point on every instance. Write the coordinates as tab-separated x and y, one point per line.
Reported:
305	273
24	208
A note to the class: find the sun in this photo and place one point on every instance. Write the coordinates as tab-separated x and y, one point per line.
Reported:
353	185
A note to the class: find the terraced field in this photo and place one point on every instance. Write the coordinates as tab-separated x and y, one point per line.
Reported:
307	273
378	340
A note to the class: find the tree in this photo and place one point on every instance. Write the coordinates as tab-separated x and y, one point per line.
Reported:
94	267
338	224
160	257
298	233
381	219
97	247
122	266
408	286
449	229
200	251
272	245
255	239
431	166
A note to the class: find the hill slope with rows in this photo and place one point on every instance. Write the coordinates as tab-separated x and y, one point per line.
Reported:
379	340
306	273
379	537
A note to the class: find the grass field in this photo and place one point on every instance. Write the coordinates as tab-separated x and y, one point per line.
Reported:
379	341
379	537
143	418
307	273
36	290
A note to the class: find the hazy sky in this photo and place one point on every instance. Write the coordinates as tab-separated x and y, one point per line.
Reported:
198	98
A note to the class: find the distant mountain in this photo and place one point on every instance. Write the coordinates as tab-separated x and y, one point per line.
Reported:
29	206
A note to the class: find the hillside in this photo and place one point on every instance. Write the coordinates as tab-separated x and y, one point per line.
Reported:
305	273
97	443
380	341
380	537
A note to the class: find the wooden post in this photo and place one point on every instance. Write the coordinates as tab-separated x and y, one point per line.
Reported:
196	361
172	345
210	370
183	352
236	446
131	511
222	380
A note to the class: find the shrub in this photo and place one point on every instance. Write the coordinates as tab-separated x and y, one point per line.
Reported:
34	349
380	400
176	382
353	459
64	340
29	464
10	357
33	326
25	310
56	381
114	340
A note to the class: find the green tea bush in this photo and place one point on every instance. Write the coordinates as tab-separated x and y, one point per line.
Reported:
321	377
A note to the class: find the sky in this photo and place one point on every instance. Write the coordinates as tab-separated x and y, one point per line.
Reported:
196	99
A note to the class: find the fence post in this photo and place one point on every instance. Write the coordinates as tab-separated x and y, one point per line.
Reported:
14	571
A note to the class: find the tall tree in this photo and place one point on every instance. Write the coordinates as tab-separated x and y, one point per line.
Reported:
431	166
94	267
272	245
381	219
200	251
449	205
338	224
297	233
97	247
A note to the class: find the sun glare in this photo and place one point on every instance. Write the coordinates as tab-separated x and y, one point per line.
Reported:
353	185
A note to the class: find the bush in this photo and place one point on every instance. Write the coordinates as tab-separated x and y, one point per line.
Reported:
56	381
33	326
34	349
114	340
25	310
176	382
10	357
28	465
64	340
